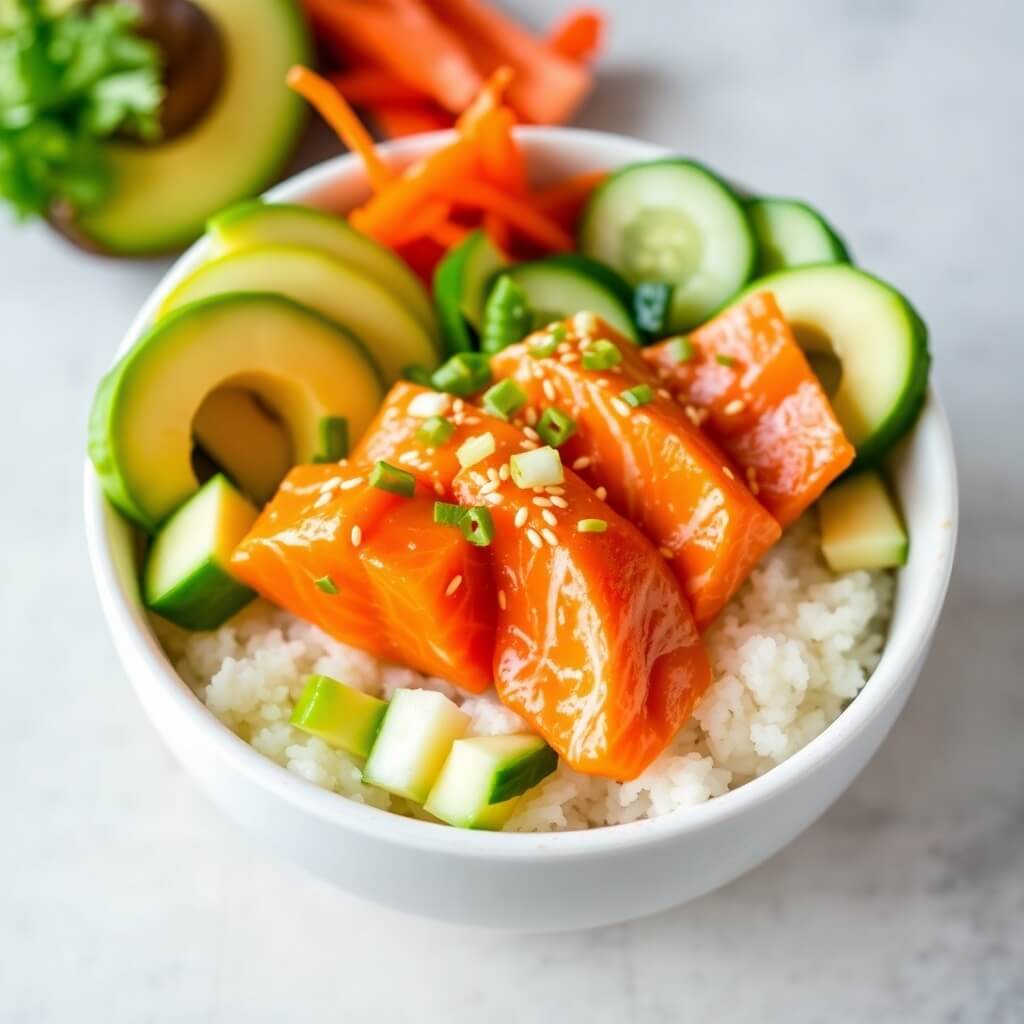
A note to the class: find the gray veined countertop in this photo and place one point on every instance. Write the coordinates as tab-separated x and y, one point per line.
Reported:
126	897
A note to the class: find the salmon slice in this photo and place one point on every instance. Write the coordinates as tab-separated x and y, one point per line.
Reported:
753	390
596	646
657	468
371	569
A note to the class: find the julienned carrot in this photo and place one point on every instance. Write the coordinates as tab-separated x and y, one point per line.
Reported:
501	160
423	224
404	37
371	87
516	212
489	99
384	216
333	108
578	35
547	88
564	201
396	120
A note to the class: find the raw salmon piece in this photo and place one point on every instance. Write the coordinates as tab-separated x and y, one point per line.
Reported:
753	389
659	470
596	646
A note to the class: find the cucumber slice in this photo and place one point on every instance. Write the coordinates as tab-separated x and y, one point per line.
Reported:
340	715
254	223
484	777
460	288
186	579
415	737
672	221
880	342
244	440
336	290
792	234
860	526
563	285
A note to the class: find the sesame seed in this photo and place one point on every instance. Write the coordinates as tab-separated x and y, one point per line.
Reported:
531	433
329	485
521	516
407	457
439	488
569	358
495	499
549	390
349	484
492	473
324	499
356	536
458	405
549	517
602	493
504	472
502	600
735	406
664	393
489	488
559	502
666	552
728	472
431	451
563	348
527	445
542	502
602	383
550	537
470	421
664	373
554	489
534	537
453	586
581	463
620	407
531	416
752	480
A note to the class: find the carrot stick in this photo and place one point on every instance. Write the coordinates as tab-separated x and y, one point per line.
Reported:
423	224
501	160
564	201
386	213
371	86
448	234
516	212
396	120
333	108
578	35
488	100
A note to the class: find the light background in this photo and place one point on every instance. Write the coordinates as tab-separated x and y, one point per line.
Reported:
126	897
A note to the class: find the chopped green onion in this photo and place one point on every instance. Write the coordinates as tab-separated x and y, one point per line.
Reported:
556	427
386	477
464	374
333	439
652	304
477	526
591	526
326	584
418	375
435	431
680	349
543	346
724	360
446	514
504	398
475	449
507	316
602	355
636	396
557	331
541	467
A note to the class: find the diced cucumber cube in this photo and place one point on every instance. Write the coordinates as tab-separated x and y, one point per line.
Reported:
340	715
860	526
415	737
484	776
186	579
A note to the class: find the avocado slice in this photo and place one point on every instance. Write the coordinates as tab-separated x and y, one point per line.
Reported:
253	223
337	290
164	193
297	363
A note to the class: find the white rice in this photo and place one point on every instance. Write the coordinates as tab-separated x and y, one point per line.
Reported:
794	646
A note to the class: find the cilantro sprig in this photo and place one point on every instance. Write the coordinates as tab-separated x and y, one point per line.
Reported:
66	83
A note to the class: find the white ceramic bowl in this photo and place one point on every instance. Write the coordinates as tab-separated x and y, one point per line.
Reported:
533	882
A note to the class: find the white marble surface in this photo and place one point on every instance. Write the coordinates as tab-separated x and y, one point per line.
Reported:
125	897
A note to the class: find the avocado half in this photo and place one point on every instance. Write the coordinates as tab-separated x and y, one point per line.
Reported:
164	193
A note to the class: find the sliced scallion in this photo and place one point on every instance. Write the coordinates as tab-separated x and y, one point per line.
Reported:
543	345
386	477
680	349
555	427
475	449
464	374
447	514
723	360
636	396
591	526
326	584
435	431
477	526
333	439
541	467
602	355
504	398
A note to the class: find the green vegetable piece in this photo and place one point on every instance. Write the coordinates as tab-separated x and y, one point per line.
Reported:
386	477
556	427
460	287
504	398
723	360
680	349
591	526
636	396
652	307
326	584
333	439
463	374
507	316
446	514
419	375
435	431
602	355
475	449
339	715
542	347
477	526
541	467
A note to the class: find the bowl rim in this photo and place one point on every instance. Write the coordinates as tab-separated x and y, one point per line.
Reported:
149	666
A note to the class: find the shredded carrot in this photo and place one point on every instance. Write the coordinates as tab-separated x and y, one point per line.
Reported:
489	99
425	222
370	86
578	35
564	201
334	109
516	212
